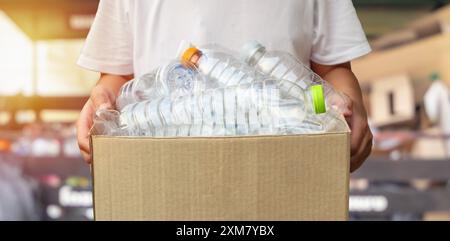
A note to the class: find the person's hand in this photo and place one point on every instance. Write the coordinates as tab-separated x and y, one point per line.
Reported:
101	98
361	136
344	81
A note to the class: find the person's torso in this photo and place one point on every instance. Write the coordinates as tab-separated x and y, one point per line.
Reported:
158	26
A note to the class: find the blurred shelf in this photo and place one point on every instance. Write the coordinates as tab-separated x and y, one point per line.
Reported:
403	170
42	166
63	166
38	104
388	202
15	103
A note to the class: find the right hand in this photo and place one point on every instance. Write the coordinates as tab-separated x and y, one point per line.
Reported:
101	98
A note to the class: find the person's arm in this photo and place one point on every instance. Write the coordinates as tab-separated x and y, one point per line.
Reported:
108	49
103	96
343	79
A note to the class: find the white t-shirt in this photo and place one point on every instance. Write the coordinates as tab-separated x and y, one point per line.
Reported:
134	37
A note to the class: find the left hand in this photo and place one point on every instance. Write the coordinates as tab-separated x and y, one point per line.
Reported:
343	80
361	136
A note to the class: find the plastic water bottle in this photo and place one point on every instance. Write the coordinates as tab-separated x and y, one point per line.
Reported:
252	109
294	77
221	67
135	90
170	79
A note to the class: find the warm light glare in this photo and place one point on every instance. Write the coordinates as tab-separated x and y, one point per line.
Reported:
4	117
54	73
15	58
59	115
81	22
57	72
25	116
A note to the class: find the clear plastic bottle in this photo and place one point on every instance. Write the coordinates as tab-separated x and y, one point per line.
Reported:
136	90
219	66
251	109
293	76
106	122
170	79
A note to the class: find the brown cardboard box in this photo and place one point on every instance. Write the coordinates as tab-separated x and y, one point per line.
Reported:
299	177
429	148
392	100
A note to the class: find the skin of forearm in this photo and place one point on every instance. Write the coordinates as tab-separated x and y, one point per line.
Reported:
342	79
345	81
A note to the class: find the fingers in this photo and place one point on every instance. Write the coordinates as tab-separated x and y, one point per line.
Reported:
363	152
359	128
342	103
361	138
84	124
102	98
87	157
348	110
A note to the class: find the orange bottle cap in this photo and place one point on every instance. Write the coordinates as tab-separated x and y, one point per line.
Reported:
191	56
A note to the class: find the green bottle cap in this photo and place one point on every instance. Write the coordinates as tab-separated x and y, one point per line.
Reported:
318	99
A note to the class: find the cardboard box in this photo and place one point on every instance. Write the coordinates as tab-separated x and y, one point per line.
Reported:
429	148
299	177
392	100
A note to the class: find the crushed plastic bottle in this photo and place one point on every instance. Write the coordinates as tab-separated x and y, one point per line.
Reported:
220	67
251	109
106	122
210	92
294	77
170	79
135	90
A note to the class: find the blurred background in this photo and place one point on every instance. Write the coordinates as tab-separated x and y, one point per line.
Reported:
406	85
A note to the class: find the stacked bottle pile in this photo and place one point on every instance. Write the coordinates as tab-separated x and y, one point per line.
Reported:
211	92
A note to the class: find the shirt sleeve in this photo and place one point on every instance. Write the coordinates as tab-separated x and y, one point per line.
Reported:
109	45
338	34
